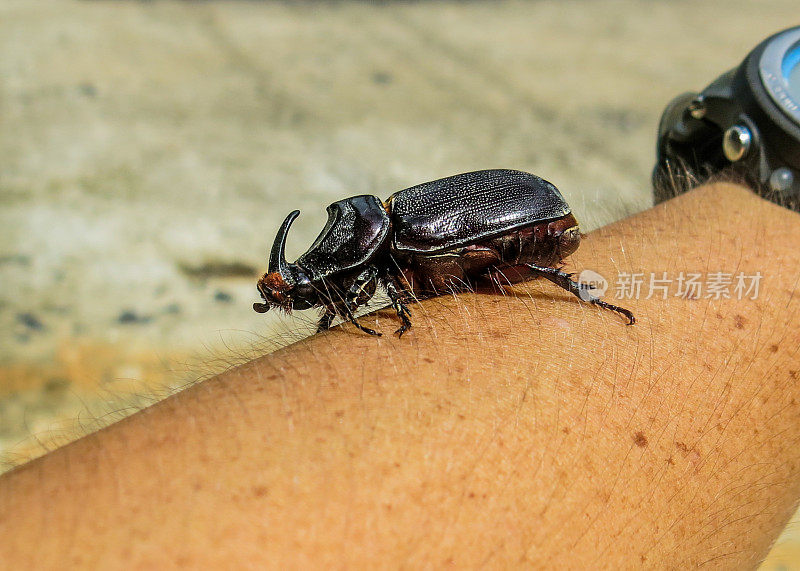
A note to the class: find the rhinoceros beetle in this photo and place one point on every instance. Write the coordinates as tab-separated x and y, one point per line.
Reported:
505	226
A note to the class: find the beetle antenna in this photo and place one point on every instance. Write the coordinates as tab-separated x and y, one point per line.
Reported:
277	257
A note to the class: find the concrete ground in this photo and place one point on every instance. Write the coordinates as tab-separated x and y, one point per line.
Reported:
149	150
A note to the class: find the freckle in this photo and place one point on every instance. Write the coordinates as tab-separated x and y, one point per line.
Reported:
793	374
640	439
643	558
472	494
682	447
739	321
427	360
397	464
670	461
260	491
388	507
461	417
338	414
774	348
566	430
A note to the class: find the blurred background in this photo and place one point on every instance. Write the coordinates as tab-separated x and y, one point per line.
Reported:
149	151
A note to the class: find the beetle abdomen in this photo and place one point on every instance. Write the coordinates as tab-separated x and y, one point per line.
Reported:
503	259
469	207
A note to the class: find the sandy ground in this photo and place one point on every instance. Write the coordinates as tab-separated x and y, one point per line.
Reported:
149	150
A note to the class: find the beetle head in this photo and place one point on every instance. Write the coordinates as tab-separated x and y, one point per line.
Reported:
284	285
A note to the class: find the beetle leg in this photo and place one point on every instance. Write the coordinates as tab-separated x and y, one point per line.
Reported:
365	329
327	319
329	316
352	319
563	280
359	288
402	311
356	292
580	285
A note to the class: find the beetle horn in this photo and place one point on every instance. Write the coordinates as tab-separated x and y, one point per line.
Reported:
277	257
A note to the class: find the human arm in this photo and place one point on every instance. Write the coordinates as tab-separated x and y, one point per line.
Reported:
499	430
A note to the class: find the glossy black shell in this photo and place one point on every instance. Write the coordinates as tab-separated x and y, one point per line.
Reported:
357	227
467	208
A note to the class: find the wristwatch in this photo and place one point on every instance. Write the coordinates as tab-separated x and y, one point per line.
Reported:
745	125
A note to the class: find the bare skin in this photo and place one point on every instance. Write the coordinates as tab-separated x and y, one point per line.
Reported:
530	429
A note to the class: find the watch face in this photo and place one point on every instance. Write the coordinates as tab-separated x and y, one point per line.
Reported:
779	68
791	71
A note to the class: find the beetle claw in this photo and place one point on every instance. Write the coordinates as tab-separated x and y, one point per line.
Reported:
370	331
365	329
621	310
